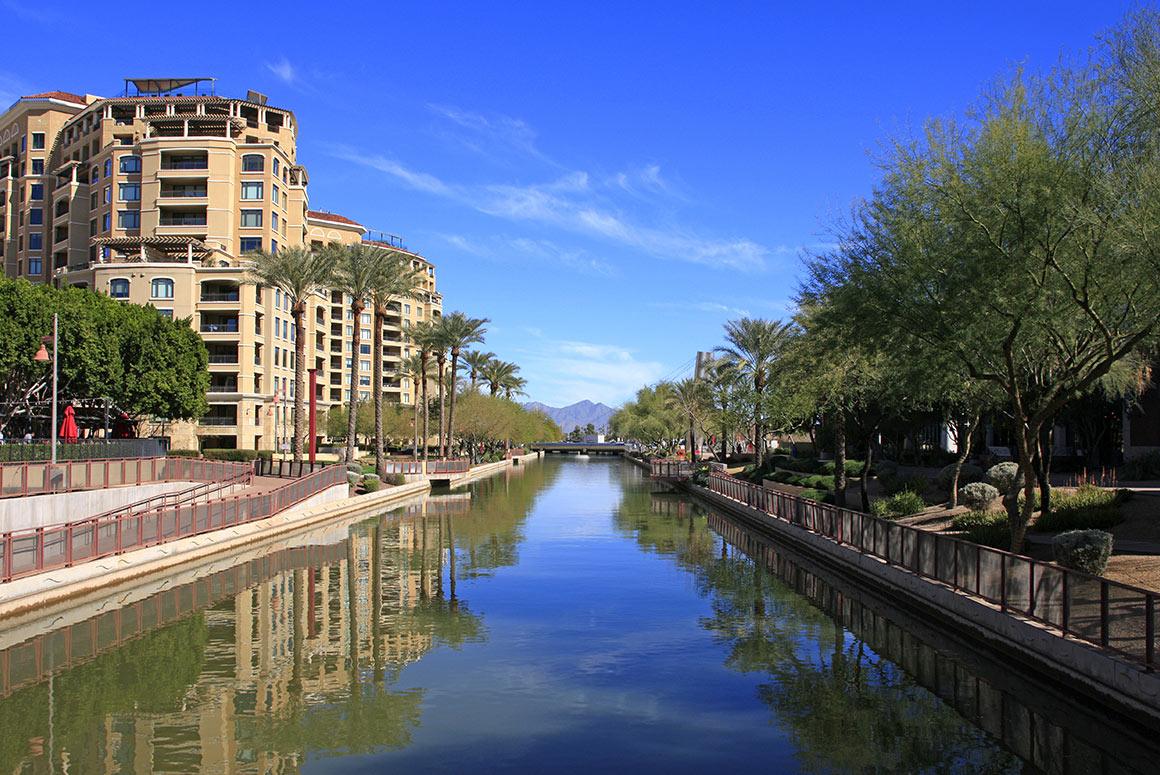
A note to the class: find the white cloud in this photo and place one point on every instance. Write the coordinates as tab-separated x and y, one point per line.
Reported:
564	371
285	71
703	306
497	129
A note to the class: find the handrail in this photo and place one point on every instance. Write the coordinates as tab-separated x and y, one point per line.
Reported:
1114	616
240	475
41	477
36	550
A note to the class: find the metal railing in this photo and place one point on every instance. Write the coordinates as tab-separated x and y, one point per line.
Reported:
670	469
26	552
23	479
1115	616
234	475
39	450
223	358
286	469
457	466
403	466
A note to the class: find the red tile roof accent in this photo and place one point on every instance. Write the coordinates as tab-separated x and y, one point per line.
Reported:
56	95
321	216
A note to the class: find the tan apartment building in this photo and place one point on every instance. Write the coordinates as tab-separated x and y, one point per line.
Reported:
154	198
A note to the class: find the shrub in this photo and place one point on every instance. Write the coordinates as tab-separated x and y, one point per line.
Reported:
853	467
701	476
978	495
973	519
822	496
886	468
1143	467
239	455
969	473
895	483
355	468
1089	507
1083	550
352	477
371	483
183	453
901	504
996	533
1002	476
396	479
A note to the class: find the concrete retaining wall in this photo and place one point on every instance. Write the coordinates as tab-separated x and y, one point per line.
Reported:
44	510
1115	682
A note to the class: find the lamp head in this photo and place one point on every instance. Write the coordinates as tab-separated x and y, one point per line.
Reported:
41	354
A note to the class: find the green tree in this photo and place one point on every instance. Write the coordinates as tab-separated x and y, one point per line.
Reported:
497	374
299	274
394	280
426	338
753	344
476	360
651	418
356	272
458	332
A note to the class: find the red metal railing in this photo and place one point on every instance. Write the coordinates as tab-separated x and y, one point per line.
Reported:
21	479
1118	617
241	476
456	466
403	466
60	546
670	469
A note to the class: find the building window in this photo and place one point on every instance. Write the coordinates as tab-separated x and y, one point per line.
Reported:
96	175
119	288
108	167
35	241
130	192
252	190
162	288
94	200
365	366
36	216
365	334
108	194
38	166
253	162
277	298
252	219
38	141
364	349
274	221
105	220
129	219
248	244
166	313
349	330
406	309
34	266
365	318
275	166
274	194
273	246
131	165
36	192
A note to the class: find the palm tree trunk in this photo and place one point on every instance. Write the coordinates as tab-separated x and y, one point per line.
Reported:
426	413
415	424
377	390
440	363
351	442
451	411
300	386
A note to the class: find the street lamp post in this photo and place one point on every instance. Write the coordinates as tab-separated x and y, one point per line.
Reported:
42	355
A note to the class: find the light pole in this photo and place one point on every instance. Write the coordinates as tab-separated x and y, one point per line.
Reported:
42	355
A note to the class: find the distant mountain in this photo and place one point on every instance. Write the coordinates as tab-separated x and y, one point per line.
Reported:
580	413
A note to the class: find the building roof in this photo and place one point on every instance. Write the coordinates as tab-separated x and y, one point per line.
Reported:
63	96
318	215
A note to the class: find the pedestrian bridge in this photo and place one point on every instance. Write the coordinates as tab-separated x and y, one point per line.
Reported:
579	448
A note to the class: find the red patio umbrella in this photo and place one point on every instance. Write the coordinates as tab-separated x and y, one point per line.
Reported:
68	428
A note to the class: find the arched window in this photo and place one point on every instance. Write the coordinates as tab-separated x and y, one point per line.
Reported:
108	167
253	162
119	288
131	164
96	174
162	288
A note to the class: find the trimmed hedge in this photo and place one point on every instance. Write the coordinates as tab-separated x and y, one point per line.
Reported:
822	496
183	453
1083	550
978	495
238	455
902	504
371	483
396	479
988	528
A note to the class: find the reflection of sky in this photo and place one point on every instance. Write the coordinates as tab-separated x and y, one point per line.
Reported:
594	659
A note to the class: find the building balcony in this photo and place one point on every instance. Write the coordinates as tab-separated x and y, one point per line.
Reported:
218	422
189	219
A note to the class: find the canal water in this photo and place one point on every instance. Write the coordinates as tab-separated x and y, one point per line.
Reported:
568	616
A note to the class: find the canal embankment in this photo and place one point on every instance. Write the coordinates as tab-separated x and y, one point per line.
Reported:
1119	684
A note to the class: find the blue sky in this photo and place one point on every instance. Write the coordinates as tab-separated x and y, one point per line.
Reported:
607	182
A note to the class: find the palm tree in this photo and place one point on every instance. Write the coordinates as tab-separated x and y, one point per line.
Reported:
298	274
476	360
494	373
458	332
413	368
395	279
691	396
426	338
754	345
439	350
513	386
356	271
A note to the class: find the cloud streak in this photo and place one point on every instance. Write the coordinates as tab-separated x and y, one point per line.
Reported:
564	371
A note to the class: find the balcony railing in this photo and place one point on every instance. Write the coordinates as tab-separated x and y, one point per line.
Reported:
183	220
223	388
223	358
199	193
220	328
220	296
200	164
216	420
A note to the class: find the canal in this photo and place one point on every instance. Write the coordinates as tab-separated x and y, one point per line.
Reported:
568	616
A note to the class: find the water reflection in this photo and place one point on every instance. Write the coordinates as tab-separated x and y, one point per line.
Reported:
371	639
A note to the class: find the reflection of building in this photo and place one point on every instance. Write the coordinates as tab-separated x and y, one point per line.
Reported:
309	628
153	198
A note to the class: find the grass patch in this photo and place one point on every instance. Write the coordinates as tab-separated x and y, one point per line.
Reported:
1090	507
822	496
987	528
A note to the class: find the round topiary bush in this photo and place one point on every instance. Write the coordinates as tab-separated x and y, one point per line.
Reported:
969	473
1083	550
371	483
352	477
979	496
396	479
1002	476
